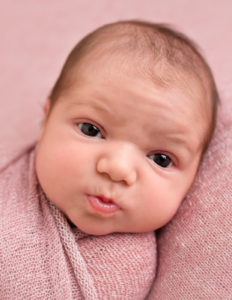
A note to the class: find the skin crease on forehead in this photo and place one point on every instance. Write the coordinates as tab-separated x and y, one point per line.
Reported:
137	118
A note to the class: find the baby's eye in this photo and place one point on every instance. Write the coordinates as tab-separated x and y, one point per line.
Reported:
90	130
161	159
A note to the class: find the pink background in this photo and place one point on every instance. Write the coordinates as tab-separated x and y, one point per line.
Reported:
36	36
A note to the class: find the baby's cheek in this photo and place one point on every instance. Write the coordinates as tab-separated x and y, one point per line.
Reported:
162	202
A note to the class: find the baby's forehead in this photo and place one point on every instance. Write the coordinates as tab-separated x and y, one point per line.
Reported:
131	77
110	56
159	73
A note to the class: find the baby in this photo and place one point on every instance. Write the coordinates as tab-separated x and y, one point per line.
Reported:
126	126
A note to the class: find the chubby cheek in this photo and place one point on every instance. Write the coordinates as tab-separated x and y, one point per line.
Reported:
64	166
63	156
161	202
51	165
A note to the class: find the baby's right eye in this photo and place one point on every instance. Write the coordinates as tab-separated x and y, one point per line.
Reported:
90	130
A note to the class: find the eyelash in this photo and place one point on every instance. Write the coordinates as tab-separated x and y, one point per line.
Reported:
161	159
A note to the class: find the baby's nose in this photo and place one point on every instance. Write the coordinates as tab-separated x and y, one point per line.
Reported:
118	162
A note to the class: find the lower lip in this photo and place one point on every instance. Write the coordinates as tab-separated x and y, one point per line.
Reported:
102	207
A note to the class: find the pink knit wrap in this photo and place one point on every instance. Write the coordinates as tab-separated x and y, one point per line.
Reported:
195	248
43	257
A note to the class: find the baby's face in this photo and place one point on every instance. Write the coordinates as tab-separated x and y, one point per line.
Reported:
118	153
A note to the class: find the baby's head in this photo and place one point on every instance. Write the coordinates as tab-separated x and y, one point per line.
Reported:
126	126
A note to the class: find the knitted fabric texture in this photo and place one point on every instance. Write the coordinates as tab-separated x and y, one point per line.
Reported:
195	248
43	257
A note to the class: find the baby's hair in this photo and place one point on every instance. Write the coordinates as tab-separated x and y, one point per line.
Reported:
150	45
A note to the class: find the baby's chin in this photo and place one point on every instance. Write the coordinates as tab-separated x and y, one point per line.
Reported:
94	231
89	230
100	229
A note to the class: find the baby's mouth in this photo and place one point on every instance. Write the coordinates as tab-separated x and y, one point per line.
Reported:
102	204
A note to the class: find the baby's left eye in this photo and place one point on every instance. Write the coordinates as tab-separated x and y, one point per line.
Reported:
161	159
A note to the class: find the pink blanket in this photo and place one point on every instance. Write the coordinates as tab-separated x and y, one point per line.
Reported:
43	257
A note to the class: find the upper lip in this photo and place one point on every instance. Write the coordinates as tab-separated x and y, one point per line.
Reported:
103	198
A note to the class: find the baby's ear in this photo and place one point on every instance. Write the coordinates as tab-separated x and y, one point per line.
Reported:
46	108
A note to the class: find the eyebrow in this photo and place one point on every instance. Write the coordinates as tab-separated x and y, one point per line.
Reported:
93	103
178	141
